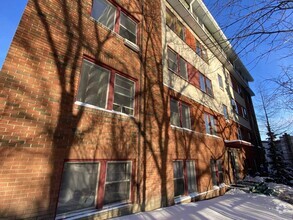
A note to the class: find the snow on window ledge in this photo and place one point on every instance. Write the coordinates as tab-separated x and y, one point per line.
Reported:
181	199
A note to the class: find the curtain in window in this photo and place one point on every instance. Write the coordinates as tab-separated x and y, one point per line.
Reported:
78	187
93	85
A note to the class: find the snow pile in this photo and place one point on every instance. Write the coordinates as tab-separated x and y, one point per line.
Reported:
265	186
281	191
256	179
235	192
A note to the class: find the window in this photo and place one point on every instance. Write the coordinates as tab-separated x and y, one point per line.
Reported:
201	51
180	115
220	79
184	177
117	185
217	172
234	105
123	95
174	24
127	28
210	124
177	64
225	112
239	90
205	84
105	13
94	89
239	134
244	112
179	188
80	185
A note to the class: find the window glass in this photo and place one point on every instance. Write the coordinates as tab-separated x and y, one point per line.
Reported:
214	171
127	28
220	172
207	123
170	19
175	117
185	116
191	176
178	178
123	95
183	68
93	87
117	185
212	125
179	30
220	81
104	13
225	112
202	82
172	60
209	89
78	187
198	49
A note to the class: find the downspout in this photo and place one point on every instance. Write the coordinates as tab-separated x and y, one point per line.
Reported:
138	184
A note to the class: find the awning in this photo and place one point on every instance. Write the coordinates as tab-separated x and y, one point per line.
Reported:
237	143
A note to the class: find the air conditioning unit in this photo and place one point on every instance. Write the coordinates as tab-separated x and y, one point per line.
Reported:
131	45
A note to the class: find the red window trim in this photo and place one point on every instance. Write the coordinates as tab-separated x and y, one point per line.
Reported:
118	11
110	94
102	178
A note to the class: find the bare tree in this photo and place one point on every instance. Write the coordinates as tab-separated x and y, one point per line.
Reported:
251	23
284	87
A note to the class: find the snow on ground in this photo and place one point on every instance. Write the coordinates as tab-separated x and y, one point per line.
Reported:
235	204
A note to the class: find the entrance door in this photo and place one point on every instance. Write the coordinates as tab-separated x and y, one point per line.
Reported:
233	154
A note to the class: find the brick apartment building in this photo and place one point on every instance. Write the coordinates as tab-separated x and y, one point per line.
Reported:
109	107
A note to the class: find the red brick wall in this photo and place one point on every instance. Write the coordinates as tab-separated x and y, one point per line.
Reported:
40	126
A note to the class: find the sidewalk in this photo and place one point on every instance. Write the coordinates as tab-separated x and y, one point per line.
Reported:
235	204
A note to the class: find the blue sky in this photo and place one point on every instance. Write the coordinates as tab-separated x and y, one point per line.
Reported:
12	10
10	15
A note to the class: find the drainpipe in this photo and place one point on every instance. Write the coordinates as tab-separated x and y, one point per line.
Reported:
140	101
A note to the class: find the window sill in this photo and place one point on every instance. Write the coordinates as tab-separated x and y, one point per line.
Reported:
101	109
181	199
181	128
88	213
178	75
128	43
212	135
131	45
